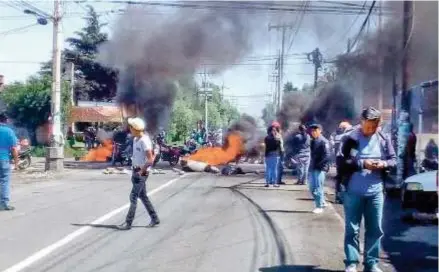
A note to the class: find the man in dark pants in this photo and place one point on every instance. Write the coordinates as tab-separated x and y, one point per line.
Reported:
142	161
343	130
302	154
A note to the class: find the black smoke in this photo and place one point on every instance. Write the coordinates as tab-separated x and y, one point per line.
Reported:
152	52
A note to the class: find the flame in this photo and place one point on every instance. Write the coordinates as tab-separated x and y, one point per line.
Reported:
220	155
101	153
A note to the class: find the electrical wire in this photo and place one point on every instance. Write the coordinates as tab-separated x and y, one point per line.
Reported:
348	30
363	25
16	30
302	15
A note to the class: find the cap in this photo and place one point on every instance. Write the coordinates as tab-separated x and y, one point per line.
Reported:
370	113
275	124
137	123
315	125
344	125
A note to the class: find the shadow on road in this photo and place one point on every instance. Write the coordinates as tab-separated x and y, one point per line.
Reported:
101	226
295	268
285	211
410	247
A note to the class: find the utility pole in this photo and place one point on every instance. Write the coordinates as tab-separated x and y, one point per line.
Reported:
316	58
349	46
55	152
71	78
206	93
283	28
404	115
380	61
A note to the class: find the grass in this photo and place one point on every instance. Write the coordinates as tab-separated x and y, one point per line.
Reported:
69	152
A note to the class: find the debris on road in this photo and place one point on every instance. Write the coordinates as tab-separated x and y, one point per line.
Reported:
117	170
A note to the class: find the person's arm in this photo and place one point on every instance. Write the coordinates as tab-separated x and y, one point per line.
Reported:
148	149
390	158
14	148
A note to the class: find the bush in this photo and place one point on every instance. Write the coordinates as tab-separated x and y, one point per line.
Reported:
69	152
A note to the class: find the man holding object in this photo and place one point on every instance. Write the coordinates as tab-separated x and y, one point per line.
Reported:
142	161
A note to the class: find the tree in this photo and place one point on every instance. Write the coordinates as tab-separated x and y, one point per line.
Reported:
288	88
92	80
28	103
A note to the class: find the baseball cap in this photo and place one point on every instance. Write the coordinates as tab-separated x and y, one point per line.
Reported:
370	113
137	123
315	125
275	124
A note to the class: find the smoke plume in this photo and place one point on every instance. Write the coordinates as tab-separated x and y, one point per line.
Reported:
292	108
246	126
334	104
152	52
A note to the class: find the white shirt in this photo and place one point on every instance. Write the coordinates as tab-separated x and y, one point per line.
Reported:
140	146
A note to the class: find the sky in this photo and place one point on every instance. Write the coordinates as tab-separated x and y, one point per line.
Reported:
249	84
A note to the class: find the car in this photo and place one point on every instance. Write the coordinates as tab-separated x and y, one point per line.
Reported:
420	192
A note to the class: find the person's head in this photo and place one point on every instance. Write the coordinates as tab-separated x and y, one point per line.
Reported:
302	128
315	130
370	121
3	117
344	125
137	126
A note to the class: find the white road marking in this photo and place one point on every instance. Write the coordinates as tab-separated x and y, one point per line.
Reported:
67	239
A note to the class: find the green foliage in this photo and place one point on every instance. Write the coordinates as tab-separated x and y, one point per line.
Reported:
38	151
288	88
92	80
28	103
189	108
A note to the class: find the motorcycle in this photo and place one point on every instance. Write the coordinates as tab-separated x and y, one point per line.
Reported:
167	153
122	153
428	165
24	155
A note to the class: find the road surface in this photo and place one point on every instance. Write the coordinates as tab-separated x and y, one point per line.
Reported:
209	223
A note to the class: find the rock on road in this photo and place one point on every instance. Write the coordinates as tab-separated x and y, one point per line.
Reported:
209	223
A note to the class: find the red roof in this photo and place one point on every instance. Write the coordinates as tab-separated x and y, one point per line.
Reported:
96	114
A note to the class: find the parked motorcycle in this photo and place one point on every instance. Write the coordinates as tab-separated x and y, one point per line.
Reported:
167	153
122	152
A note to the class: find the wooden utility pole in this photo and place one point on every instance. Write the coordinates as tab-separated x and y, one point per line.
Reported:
380	59
283	28
404	114
316	58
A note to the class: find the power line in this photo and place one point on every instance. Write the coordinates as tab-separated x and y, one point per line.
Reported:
16	30
349	29
363	25
305	5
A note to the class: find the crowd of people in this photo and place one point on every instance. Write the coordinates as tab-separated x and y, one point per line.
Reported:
363	156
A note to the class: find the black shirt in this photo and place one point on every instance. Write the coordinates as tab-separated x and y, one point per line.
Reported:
272	146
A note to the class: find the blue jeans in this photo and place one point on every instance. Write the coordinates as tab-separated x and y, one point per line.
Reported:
280	169
355	207
5	181
302	168
316	186
271	169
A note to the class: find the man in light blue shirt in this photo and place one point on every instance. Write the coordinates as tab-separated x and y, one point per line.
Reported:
8	145
366	156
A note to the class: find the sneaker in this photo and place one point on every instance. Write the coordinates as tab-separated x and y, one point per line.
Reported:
276	185
153	223
124	226
374	268
266	185
7	208
317	210
351	268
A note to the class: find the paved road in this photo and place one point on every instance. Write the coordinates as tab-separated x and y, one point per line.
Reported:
209	223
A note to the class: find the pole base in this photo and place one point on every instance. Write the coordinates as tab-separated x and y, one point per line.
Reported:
54	158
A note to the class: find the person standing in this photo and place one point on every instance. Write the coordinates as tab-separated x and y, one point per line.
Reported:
8	145
280	165
273	151
142	161
302	154
367	156
320	159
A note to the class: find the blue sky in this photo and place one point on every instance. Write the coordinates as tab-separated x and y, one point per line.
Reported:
247	84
